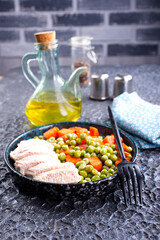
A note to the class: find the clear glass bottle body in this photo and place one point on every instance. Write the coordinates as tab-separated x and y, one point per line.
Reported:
52	100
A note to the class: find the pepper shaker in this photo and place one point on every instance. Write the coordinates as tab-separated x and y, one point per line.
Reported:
99	89
122	83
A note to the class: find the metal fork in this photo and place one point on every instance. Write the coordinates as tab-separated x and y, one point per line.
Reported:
126	170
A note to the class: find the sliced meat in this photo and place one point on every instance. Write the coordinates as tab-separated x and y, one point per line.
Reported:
60	176
27	144
30	161
47	166
32	150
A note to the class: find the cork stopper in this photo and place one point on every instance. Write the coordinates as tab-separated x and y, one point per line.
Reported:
44	37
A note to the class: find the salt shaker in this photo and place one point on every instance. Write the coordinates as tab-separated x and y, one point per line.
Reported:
99	89
122	83
82	53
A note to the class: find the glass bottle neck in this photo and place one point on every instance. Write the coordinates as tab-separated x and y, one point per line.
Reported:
48	59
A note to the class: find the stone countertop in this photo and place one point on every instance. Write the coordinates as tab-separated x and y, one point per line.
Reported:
29	217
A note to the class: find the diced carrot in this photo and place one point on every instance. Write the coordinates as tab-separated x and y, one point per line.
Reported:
65	151
82	146
94	131
79	130
72	159
52	132
124	146
118	161
127	153
64	131
109	139
96	163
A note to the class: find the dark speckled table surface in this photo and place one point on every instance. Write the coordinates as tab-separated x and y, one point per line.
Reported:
29	217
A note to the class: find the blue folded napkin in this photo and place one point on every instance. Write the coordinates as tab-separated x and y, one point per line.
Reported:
139	118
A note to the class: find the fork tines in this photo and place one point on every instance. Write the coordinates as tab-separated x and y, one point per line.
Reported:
131	172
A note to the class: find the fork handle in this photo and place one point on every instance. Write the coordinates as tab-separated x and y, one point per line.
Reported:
116	134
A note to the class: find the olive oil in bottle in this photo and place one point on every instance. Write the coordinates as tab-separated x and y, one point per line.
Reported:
49	107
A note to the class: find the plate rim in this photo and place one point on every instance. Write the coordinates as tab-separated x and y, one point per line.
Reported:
6	153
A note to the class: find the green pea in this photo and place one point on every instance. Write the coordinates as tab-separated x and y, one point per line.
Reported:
36	137
99	156
87	179
89	168
90	149
71	153
59	139
83	153
78	164
108	155
89	175
51	140
77	148
100	138
79	141
73	147
115	152
82	178
77	153
93	154
113	146
113	158
105	167
82	166
61	143
107	144
84	181
57	146
104	171
65	147
94	172
97	144
73	142
68	142
103	151
110	150
62	156
57	150
87	139
82	135
108	163
86	160
87	155
102	176
95	178
111	171
97	150
83	173
128	149
69	136
73	136
92	143
104	158
129	156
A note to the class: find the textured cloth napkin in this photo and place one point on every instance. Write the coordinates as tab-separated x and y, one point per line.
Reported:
139	118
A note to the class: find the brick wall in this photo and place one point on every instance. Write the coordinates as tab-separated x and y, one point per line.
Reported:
124	31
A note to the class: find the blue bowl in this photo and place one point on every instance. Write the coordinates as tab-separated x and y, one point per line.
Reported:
76	191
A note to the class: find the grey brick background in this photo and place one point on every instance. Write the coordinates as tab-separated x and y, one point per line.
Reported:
124	31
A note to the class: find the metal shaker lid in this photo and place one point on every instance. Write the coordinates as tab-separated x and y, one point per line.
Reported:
123	77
